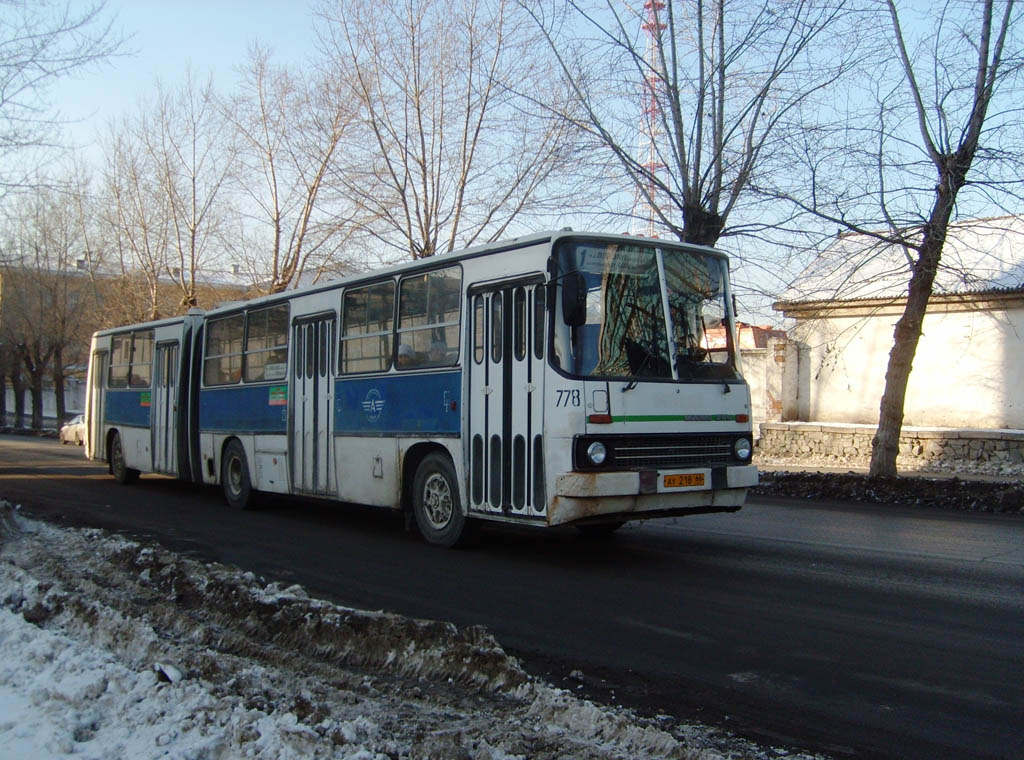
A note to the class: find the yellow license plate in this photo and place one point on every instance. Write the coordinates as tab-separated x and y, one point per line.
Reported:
683	481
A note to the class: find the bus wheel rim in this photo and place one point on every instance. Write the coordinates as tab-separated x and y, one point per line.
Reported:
117	456
437	501
235	476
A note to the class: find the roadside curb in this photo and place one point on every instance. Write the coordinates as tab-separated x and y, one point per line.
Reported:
950	493
44	433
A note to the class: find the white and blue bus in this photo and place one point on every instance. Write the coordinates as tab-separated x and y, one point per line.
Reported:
561	378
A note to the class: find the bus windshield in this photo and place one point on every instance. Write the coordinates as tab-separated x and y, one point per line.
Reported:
651	312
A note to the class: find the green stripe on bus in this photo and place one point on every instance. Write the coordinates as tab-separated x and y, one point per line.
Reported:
674	418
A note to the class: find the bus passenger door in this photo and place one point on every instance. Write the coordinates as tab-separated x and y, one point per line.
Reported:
505	389
312	407
163	410
94	446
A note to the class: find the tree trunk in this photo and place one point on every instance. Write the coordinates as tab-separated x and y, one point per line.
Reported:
4	363
36	366
36	387
702	227
18	385
58	384
885	446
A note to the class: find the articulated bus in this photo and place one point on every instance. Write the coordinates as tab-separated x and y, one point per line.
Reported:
560	378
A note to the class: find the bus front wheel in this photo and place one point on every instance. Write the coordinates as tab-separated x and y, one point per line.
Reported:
436	503
234	477
118	467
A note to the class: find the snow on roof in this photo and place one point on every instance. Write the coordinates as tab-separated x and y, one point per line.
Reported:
980	255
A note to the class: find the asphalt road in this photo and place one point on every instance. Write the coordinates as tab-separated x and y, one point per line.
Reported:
858	631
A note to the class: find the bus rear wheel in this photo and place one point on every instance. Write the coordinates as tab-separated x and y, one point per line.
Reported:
234	477
436	503
118	467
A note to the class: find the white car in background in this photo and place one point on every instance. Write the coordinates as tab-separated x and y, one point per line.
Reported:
73	431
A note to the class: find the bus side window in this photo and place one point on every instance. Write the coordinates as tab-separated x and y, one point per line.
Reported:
120	361
496	330
266	344
309	329
142	360
478	329
519	322
324	333
367	318
539	336
223	362
429	307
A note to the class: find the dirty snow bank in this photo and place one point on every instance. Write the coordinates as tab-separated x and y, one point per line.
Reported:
111	648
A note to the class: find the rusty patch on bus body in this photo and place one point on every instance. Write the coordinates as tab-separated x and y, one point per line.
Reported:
564	509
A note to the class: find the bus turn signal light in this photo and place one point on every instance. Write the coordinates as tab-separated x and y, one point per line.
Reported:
600	419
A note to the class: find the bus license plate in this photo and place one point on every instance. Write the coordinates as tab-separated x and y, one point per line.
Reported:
687	480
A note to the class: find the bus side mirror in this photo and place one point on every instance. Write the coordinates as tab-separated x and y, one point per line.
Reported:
574	299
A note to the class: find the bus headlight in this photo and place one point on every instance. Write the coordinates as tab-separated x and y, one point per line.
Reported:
742	449
597	453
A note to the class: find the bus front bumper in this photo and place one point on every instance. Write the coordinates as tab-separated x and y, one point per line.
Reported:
596	496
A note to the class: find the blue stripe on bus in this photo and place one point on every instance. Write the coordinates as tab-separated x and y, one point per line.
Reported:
127	407
244	408
401	403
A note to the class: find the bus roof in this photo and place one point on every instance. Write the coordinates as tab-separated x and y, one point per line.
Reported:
436	261
165	322
442	259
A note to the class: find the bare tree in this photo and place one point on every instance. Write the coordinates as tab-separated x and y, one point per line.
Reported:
167	166
26	299
78	246
450	157
191	148
138	218
289	129
938	139
10	368
689	99
41	42
951	144
45	294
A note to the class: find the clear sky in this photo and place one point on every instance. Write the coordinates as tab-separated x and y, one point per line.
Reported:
211	36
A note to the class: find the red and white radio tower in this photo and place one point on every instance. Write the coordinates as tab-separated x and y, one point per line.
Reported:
644	216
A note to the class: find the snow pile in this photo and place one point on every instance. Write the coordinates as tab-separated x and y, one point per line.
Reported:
62	696
110	648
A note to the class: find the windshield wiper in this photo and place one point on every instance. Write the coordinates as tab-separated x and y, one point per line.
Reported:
633	348
633	379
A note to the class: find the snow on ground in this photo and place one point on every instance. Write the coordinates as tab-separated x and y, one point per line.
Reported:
110	648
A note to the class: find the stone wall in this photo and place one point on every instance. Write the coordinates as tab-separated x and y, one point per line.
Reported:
938	450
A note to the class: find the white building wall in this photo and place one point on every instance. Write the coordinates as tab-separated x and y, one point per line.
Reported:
763	371
74	400
968	370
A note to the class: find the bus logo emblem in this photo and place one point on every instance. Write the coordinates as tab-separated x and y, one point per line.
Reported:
373	405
